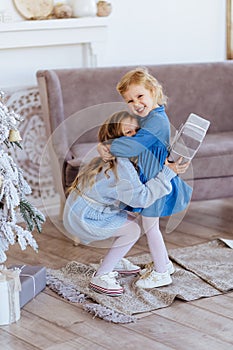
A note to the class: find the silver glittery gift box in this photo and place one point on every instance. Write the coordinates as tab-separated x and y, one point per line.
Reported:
33	281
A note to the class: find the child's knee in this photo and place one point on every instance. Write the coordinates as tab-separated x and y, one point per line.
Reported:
148	223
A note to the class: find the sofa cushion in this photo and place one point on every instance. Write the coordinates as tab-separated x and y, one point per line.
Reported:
213	159
83	153
215	156
216	144
211	188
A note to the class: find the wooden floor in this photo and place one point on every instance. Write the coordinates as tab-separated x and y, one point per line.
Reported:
49	322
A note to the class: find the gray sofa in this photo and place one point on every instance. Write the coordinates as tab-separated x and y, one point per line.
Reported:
205	89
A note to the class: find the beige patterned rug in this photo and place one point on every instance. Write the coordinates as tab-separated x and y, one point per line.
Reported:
202	270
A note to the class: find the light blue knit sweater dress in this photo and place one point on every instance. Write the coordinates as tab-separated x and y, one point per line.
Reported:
96	215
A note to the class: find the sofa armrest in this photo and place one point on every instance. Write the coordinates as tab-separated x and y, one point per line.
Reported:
53	111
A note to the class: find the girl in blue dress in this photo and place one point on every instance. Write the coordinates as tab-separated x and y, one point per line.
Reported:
145	98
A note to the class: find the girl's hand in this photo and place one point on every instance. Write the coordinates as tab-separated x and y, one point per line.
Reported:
104	152
177	167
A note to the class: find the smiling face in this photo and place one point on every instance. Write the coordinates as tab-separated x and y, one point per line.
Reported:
129	126
140	100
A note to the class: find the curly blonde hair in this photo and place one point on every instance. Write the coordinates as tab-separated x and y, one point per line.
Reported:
111	129
141	76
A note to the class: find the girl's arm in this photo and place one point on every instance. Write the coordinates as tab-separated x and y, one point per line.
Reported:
127	147
156	129
132	192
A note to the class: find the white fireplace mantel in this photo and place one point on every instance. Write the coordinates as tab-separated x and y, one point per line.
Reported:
45	42
52	32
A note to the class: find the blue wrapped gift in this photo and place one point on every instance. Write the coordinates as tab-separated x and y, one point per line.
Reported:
33	281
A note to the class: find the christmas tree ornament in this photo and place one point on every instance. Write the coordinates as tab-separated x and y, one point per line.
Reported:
14	136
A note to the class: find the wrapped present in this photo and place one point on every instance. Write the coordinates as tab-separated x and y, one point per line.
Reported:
9	295
189	138
33	281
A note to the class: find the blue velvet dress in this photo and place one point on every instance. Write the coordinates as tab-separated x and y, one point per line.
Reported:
150	145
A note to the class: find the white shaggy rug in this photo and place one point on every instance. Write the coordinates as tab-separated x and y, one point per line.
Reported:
202	270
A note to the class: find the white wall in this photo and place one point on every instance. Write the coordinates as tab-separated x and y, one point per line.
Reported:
166	31
139	33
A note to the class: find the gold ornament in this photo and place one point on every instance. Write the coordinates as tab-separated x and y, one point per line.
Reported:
62	11
14	136
104	8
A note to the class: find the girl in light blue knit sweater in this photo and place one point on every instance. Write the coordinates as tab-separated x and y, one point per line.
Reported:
92	210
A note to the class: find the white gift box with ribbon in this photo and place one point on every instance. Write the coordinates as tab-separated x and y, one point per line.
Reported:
9	295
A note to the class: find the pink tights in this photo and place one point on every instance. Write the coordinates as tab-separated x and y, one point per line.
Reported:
126	237
156	243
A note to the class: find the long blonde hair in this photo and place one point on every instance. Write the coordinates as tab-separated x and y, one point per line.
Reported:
111	129
141	76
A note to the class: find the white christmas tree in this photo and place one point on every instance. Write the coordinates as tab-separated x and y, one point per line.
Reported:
14	189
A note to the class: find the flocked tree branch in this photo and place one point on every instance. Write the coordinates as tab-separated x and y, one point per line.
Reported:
14	189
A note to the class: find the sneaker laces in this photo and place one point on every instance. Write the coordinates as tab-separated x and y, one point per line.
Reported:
110	276
113	274
125	263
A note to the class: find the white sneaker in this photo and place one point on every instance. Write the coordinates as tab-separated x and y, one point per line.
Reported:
154	279
149	267
106	284
170	268
124	266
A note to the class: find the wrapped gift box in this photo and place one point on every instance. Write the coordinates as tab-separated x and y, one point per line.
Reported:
33	281
9	296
